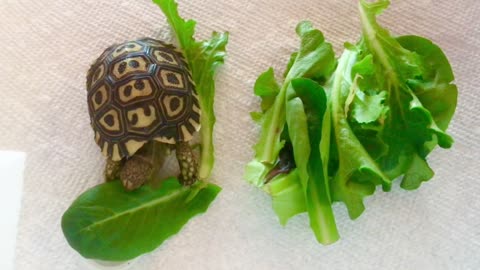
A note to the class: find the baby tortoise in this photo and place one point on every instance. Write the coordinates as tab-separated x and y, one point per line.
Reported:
141	93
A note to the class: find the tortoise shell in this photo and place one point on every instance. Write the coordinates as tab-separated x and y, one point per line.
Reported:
140	91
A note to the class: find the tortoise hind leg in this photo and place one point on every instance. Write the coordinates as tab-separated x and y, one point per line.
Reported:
112	169
188	165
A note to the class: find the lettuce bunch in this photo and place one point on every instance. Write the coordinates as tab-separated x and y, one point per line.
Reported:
335	129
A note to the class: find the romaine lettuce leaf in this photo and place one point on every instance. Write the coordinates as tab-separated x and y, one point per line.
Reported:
107	223
203	58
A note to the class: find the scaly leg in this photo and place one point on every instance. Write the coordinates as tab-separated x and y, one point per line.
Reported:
188	165
112	169
139	168
136	171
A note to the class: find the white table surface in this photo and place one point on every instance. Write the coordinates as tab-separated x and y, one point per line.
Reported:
47	47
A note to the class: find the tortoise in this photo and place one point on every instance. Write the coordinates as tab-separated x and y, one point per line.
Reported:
141	93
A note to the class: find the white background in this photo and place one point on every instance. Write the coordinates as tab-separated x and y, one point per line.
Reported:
11	172
47	47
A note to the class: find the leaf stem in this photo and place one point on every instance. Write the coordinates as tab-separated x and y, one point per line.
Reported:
206	151
274	129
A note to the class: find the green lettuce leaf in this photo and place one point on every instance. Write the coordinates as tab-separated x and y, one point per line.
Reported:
369	108
267	88
203	58
413	79
388	104
315	59
357	173
435	89
287	194
436	92
305	110
291	112
107	223
392	100
256	171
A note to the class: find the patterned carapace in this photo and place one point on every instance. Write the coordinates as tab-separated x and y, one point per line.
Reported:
139	91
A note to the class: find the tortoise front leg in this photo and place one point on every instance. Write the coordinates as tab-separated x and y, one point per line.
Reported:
112	169
136	171
143	166
188	165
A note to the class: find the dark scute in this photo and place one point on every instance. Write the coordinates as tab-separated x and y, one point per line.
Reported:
172	78
97	74
119	49
98	97
195	116
131	46
174	103
195	100
134	63
122	67
147	111
128	90
139	84
134	120
166	56
190	128
109	120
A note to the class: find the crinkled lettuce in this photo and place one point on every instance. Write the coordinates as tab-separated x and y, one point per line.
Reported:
357	123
